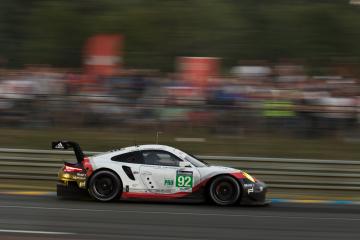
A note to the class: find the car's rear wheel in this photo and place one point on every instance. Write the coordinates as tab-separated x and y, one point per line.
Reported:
224	190
105	186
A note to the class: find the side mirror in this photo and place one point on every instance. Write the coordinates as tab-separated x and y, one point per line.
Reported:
183	164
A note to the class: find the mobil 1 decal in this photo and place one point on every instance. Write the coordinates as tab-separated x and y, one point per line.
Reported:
184	180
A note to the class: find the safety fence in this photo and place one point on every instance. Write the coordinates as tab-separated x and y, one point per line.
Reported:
279	173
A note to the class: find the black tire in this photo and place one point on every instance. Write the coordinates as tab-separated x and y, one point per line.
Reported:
105	186
224	191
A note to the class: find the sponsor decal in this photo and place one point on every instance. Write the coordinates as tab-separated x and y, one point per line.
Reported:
79	178
184	189
162	191
168	182
250	190
72	177
249	185
59	146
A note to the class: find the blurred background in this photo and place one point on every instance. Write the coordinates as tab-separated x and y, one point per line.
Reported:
265	78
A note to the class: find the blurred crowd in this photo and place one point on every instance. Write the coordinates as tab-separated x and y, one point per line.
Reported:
249	99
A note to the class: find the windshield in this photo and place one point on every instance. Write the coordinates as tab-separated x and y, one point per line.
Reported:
195	161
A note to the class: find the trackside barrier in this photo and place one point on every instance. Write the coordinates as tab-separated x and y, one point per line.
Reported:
280	173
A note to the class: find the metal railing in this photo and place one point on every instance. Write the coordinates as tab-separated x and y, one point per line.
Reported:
280	173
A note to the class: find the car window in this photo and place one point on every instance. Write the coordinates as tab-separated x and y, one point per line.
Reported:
131	157
195	161
163	158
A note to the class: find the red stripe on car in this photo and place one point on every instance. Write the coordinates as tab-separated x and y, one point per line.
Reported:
87	165
238	175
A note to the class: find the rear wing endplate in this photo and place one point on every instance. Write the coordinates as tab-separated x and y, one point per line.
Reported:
62	145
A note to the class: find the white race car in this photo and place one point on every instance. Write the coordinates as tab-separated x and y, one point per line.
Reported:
155	172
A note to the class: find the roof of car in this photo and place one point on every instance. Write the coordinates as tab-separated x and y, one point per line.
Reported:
139	148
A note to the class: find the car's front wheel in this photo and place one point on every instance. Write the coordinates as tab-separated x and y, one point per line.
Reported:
224	190
105	186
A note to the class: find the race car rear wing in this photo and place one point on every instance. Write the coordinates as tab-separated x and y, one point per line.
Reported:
62	145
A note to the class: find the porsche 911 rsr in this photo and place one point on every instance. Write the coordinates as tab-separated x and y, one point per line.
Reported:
155	172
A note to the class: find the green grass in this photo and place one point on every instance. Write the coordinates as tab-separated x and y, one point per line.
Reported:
106	139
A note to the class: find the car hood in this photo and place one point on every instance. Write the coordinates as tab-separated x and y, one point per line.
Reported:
216	170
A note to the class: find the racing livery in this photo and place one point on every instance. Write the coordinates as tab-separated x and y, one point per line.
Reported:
155	172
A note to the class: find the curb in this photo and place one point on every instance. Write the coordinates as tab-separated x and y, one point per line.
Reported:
28	193
313	201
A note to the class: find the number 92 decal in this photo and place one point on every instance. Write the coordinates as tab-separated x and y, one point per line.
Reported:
184	179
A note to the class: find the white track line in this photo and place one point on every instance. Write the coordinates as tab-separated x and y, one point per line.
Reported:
34	232
181	213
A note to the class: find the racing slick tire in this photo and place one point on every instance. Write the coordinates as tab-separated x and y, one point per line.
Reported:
105	186
224	191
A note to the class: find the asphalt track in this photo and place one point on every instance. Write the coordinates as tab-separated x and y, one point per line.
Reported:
45	217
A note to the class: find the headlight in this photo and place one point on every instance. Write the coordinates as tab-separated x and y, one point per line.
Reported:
249	177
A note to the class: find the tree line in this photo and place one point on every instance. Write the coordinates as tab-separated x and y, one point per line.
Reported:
156	31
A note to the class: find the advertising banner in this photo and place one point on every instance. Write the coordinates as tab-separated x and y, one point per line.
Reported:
103	54
197	70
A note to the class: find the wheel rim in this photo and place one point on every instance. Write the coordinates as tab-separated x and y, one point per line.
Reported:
104	186
225	191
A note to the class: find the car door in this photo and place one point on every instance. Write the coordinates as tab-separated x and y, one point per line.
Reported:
161	173
127	165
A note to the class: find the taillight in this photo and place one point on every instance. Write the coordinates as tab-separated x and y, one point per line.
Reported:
70	169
